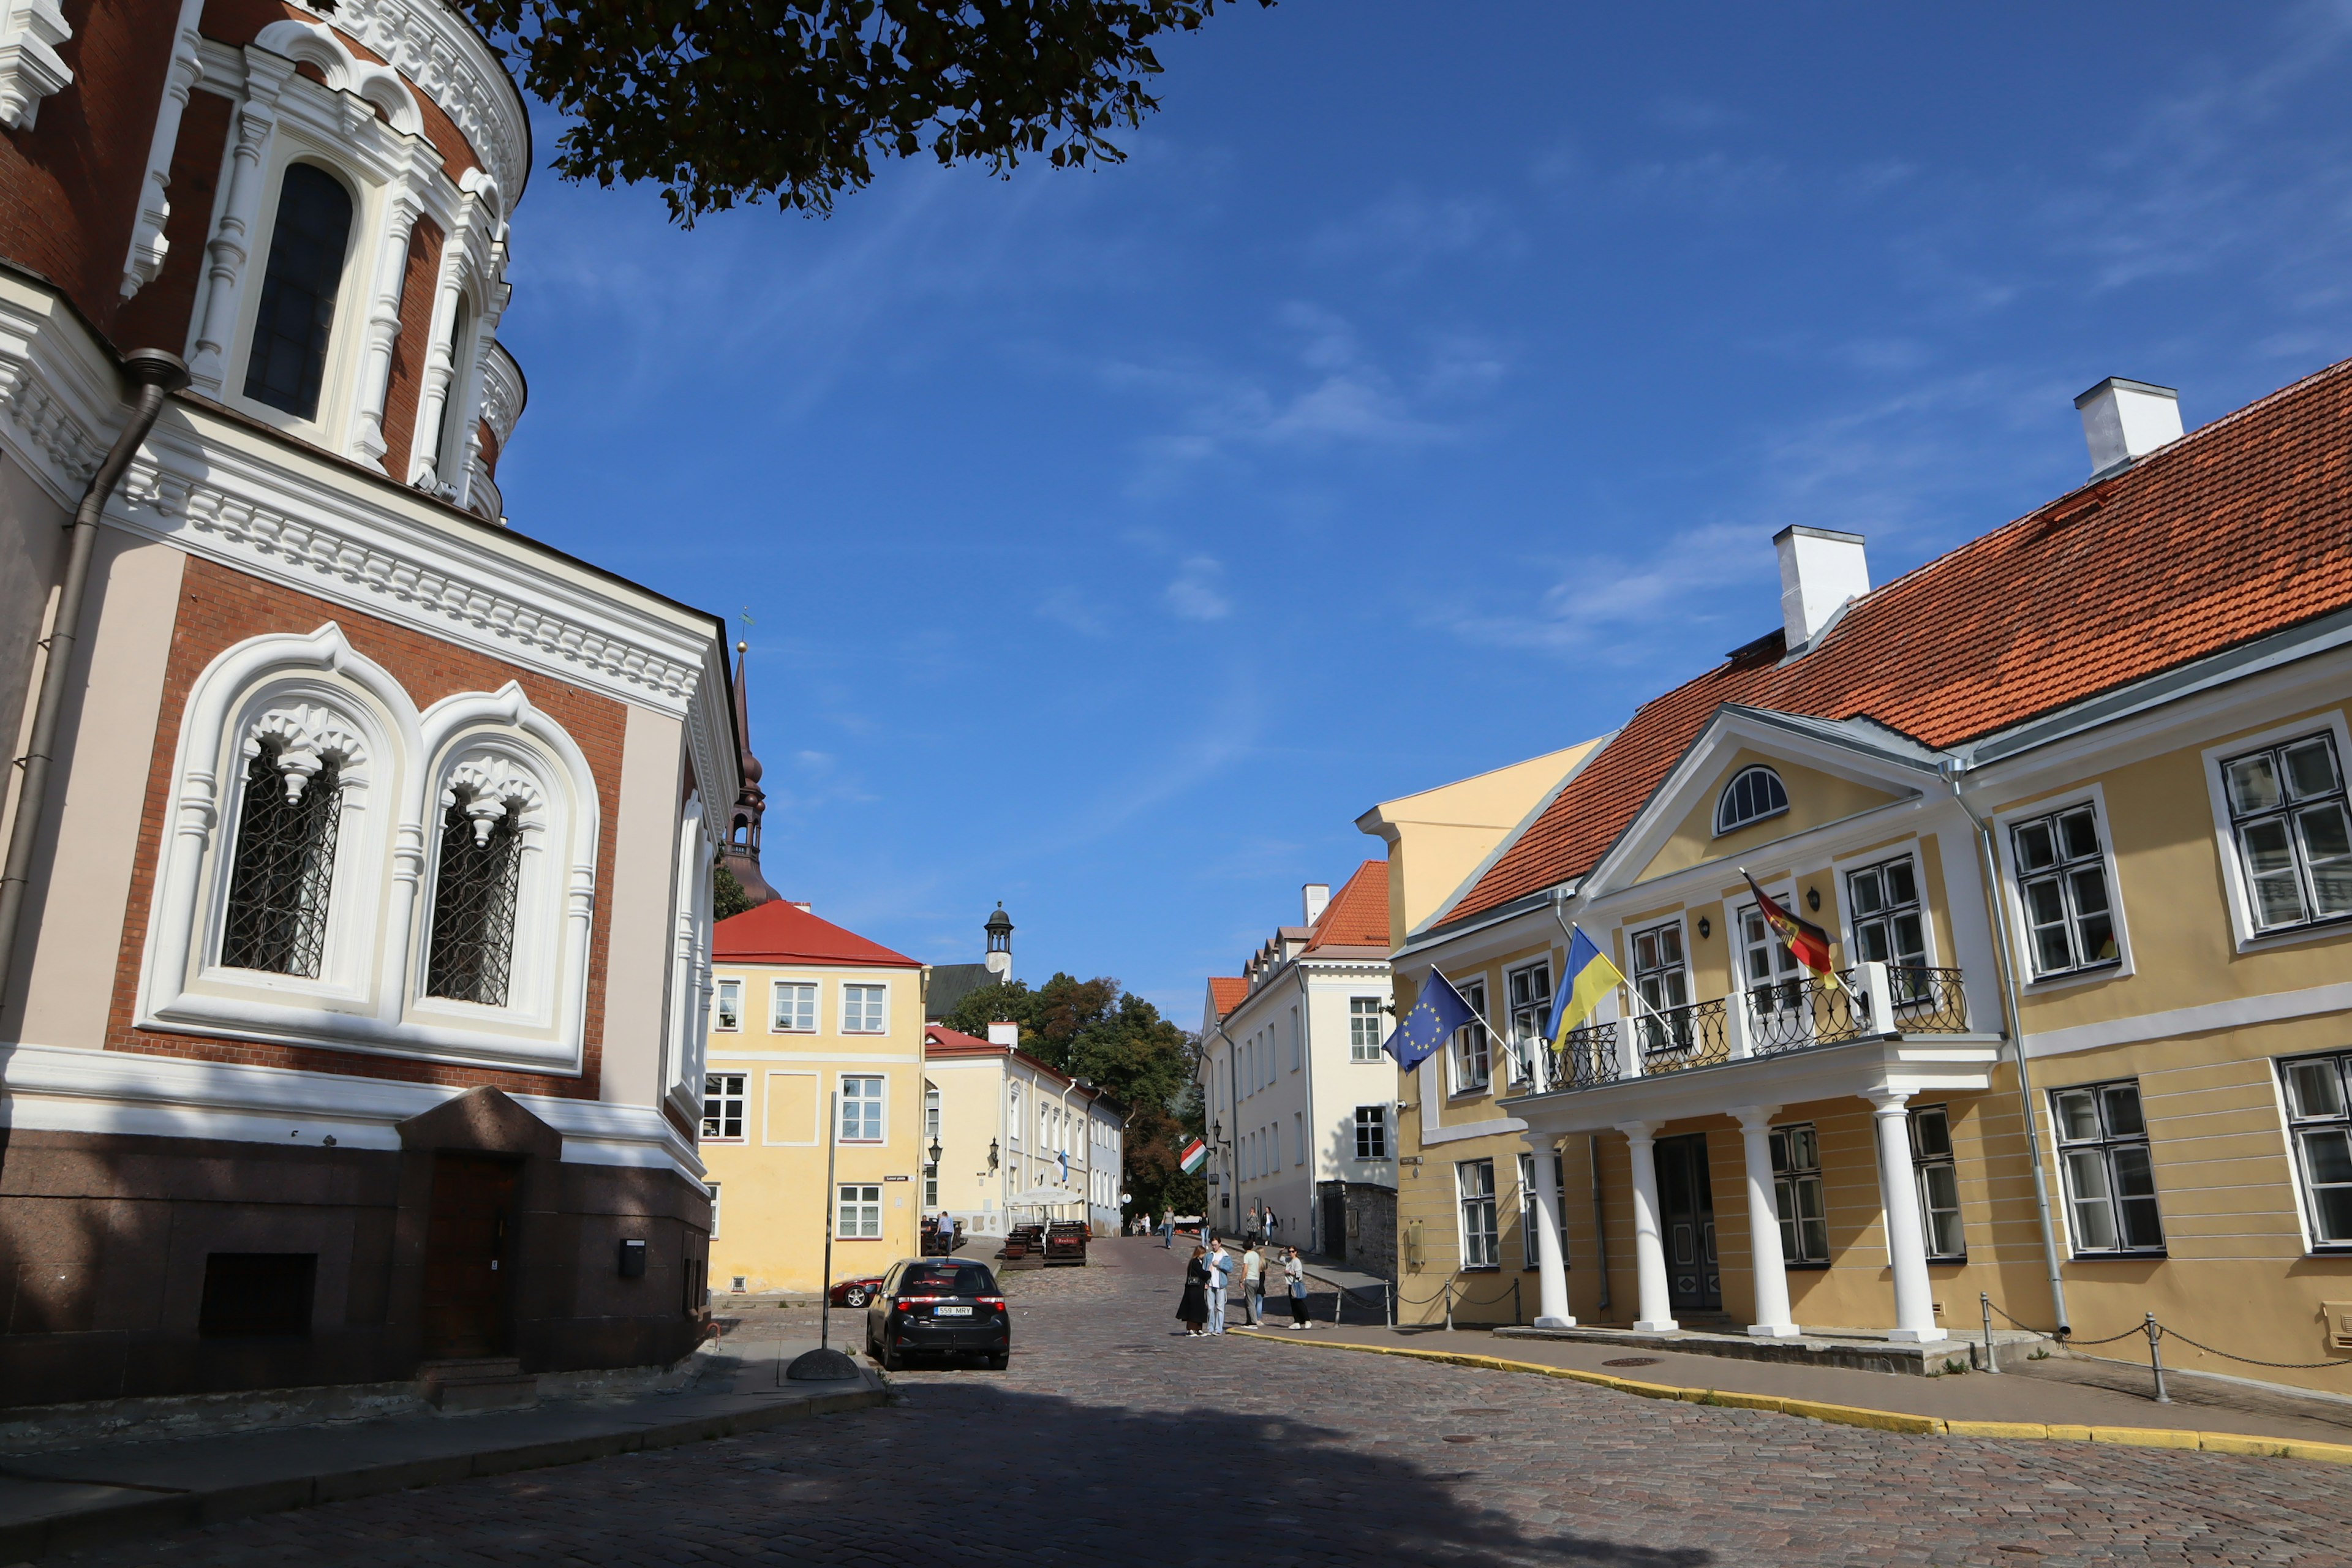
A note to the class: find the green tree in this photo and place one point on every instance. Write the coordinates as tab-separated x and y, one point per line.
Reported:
726	895
728	101
1098	1031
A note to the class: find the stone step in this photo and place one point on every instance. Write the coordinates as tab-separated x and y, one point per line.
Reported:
478	1383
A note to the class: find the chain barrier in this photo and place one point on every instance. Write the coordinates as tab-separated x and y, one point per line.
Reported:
2068	1338
2250	1361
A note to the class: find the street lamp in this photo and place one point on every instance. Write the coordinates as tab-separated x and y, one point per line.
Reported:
934	1152
992	1153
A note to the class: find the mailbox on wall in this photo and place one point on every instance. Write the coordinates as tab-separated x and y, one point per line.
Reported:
632	1259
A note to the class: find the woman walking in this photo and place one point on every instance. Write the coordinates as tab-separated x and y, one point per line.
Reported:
1194	1308
1295	1272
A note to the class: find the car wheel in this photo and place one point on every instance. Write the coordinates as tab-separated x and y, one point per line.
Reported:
853	1297
999	1360
890	1359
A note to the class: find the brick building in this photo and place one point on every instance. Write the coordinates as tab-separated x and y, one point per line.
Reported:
355	925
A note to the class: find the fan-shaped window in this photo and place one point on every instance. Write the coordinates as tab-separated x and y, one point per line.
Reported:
1756	793
287	363
285	864
474	902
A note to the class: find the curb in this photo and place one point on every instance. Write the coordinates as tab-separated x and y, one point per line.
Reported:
155	1515
1857	1415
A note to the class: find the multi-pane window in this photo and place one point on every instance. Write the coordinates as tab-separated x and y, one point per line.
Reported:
861	1108
284	869
861	1009
1473	1068
1296	1036
1013	1110
1797	1193
2320	1117
1661	980
1884	901
714	1211
1372	1133
1530	990
1481	1243
731	1005
930	1113
1531	1211
1364	1028
860	1211
1298	1137
474	903
287	363
1754	795
2110	1181
1774	979
722	1105
795	1007
1939	1183
2294	837
2061	878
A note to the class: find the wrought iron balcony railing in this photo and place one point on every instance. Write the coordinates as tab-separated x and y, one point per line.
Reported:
1871	1001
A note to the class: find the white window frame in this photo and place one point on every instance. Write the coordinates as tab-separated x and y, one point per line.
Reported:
1921	1163
1522	1055
2020	929
2248	938
1723	799
2294	1124
1458	1055
880	1102
776	991
1376	1124
930	1113
1653	1038
1531	1211
2106	1145
1491	1238
1364	1021
729	1001
852	1215
742	1097
1298	1135
712	1187
1297	1043
852	988
1013	1113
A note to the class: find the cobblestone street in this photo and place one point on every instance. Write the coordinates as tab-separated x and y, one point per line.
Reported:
1110	1441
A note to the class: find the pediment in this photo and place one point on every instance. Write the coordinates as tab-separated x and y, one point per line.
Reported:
483	1120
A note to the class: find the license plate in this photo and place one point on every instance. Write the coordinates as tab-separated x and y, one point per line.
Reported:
951	1312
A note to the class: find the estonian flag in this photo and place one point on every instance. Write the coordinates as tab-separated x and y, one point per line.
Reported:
1589	977
1195	1155
1439	1011
1808	944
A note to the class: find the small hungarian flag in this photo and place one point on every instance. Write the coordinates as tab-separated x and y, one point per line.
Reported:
1195	1155
1806	941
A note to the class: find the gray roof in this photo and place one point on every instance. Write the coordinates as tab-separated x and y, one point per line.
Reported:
951	983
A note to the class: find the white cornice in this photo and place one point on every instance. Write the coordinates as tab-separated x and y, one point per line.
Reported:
426	42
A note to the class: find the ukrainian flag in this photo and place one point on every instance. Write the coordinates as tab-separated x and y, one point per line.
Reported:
1589	977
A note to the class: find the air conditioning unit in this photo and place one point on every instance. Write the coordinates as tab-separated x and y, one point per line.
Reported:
1413	1243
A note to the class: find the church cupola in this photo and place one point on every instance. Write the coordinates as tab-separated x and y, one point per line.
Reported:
999	943
741	854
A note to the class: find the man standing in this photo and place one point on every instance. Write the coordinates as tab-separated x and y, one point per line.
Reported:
1253	1284
1221	1274
947	1234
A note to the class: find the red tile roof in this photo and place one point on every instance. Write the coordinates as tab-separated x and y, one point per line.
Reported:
782	933
1358	915
2231	533
1226	991
939	1040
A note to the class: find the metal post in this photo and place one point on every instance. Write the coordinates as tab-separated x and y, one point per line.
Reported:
1392	1295
832	1197
1984	1304
1449	1303
2156	1358
1515	1316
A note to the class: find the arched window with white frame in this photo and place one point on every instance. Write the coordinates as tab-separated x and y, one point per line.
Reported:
1754	793
310	243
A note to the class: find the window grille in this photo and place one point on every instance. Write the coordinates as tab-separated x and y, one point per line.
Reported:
288	361
474	907
2320	1114
1752	795
285	869
2295	836
2110	1180
1797	1193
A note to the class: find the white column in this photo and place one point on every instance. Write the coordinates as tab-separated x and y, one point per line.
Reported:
1914	1301
230	253
1773	1320
1649	1246
401	213
1551	1269
440	354
147	244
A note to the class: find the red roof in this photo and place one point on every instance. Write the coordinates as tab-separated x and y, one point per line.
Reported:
782	933
939	1040
1226	991
2229	535
1357	916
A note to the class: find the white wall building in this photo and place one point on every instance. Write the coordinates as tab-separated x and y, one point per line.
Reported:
1018	1141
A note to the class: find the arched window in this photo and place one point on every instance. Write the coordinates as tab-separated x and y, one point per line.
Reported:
287	363
474	900
1753	794
285	863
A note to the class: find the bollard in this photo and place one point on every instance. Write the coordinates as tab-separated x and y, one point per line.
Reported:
2156	1359
1392	1295
1517	1318
1984	1303
1449	1305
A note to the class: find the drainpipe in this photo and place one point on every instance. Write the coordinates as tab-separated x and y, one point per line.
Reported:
1951	770
1315	1133
157	376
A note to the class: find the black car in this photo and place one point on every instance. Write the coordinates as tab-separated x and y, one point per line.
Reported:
938	1306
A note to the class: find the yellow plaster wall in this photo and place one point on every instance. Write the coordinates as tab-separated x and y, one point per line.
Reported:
1814	798
1437	837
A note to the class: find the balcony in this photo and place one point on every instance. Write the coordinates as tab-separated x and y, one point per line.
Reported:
1769	1021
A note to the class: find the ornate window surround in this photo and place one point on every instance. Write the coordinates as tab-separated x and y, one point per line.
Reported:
316	691
687	1034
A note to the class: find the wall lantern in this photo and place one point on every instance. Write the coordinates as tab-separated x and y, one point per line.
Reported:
1705	929
1813	899
934	1152
992	1153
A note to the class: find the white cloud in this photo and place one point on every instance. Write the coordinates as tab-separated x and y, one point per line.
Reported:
1198	592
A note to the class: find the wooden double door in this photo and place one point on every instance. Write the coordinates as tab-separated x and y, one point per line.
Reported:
470	1258
1686	1218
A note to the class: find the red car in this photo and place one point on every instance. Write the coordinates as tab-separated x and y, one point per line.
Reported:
855	1292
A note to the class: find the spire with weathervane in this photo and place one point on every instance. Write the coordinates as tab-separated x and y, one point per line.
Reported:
741	856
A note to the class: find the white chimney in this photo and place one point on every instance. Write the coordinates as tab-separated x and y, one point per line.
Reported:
1313	897
1821	569
2125	420
1004	1035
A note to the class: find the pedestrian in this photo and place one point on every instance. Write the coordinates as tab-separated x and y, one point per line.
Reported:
1254	1284
1221	1274
947	1234
1194	1308
1295	1271
1168	1229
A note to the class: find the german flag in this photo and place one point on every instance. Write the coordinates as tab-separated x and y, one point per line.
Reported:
1806	943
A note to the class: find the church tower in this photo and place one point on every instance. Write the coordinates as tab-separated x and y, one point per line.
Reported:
741	854
1000	944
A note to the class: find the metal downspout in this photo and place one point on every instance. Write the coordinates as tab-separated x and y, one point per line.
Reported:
157	376
2014	1007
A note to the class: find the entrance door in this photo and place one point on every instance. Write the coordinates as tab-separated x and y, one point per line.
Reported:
1694	1280
468	1252
1335	1226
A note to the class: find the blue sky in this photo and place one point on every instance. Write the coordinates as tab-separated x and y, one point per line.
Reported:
1422	395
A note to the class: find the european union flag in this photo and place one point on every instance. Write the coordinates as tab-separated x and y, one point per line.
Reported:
1425	1030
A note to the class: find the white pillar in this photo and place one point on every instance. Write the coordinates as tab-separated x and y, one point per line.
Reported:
1551	1269
230	254
1649	1246
1914	1301
367	443
1773	1320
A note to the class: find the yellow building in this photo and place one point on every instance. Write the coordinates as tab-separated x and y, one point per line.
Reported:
805	1016
2069	806
1019	1144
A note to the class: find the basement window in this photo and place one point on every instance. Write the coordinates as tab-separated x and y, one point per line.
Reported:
257	1295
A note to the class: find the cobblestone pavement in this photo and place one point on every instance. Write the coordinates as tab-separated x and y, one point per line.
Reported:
1109	1441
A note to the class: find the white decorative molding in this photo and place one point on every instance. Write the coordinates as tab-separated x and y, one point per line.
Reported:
430	45
43	425
30	69
307	735
230	251
148	246
493	789
309	43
